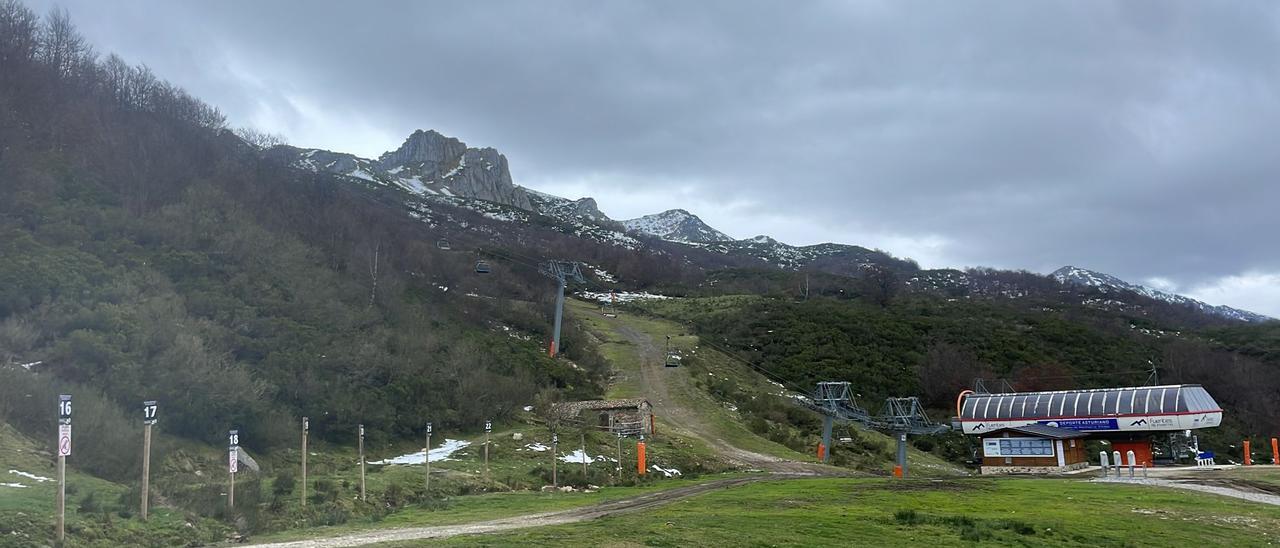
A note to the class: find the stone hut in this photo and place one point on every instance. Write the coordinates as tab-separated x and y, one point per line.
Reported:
628	417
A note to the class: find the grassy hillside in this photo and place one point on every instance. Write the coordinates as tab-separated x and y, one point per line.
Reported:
851	512
935	348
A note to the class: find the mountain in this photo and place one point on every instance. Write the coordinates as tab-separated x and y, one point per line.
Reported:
1106	283
676	225
847	260
427	164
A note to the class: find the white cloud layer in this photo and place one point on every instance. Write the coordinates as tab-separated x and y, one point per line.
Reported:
1254	291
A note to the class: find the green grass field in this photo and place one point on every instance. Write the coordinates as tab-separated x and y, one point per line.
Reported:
961	512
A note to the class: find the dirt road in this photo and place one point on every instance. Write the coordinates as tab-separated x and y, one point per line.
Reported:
655	381
604	509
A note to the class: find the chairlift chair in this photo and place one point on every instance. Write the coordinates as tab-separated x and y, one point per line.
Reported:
482	267
673	358
443	244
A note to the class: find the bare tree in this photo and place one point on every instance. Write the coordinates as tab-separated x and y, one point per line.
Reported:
374	266
258	138
62	47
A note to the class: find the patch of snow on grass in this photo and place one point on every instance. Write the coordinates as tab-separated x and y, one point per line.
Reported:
668	472
621	296
442	453
579	457
13	485
30	476
536	447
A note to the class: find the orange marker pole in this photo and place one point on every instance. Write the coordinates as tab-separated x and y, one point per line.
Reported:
1248	460
640	458
822	452
1275	451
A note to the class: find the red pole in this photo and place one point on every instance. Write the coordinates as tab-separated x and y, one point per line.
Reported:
1248	460
1275	451
640	458
653	427
822	451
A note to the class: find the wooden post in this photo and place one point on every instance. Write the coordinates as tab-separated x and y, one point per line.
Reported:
362	493
555	460
488	426
146	468
584	456
426	458
62	499
618	469
306	427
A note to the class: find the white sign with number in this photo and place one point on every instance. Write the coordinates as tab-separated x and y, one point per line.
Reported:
149	412
64	409
233	451
488	426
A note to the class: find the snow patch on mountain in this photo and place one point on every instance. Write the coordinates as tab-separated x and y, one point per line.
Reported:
676	225
1106	283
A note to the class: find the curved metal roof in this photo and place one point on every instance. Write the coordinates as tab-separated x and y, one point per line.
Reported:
1102	402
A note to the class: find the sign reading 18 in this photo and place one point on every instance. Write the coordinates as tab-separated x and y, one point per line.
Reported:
233	439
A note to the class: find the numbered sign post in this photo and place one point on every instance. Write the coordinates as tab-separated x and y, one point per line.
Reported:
362	497
618	469
64	451
555	460
426	459
148	418
233	465
306	426
488	427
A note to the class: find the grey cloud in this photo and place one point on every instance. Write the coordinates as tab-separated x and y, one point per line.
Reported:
1131	137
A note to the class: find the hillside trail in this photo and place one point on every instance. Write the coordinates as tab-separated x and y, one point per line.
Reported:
604	509
655	383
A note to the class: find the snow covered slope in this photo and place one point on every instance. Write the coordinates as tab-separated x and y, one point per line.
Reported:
676	225
1081	277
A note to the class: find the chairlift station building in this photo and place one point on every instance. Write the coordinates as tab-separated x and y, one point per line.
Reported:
1036	431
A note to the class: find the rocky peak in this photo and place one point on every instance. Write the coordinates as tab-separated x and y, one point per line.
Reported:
676	225
428	151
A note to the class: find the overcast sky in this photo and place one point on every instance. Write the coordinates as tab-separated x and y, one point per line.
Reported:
1140	139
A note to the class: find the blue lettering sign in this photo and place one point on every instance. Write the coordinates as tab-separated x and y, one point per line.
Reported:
1083	424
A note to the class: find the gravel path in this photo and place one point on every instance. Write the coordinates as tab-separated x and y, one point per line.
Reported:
611	508
1226	491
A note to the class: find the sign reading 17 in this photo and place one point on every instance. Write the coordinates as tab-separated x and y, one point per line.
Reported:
149	412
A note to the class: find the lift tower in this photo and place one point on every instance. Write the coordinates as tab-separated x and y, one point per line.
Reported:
561	272
899	417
